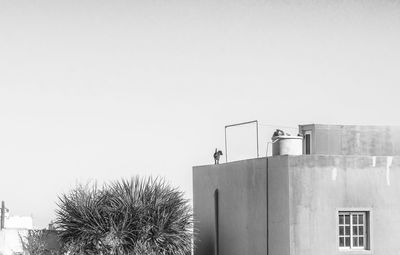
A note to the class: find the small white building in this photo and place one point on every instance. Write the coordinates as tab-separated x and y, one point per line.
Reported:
14	230
18	222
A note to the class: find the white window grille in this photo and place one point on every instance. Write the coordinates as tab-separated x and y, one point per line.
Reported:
353	230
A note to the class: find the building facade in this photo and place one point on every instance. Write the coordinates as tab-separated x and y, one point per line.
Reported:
342	196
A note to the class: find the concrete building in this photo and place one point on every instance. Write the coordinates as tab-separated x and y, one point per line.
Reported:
18	222
341	196
15	232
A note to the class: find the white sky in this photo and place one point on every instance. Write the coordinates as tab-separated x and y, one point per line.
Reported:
100	90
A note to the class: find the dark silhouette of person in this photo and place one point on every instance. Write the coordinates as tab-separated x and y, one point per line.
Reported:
217	155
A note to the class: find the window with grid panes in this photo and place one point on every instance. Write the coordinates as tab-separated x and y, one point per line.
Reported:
353	230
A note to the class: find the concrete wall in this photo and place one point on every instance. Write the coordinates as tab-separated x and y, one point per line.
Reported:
354	140
242	207
278	206
303	196
319	185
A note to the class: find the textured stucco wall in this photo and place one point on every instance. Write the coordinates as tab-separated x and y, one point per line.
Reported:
319	185
242	207
354	140
278	206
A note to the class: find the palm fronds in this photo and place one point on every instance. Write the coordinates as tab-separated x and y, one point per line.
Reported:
136	216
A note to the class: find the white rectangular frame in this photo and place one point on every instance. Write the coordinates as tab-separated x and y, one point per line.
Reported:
369	226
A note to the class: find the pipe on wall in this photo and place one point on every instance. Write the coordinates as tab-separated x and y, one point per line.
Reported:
216	211
3	211
267	185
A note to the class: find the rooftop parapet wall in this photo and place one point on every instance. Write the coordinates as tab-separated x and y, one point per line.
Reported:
354	140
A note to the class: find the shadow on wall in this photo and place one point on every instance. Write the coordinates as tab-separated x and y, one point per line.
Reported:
23	241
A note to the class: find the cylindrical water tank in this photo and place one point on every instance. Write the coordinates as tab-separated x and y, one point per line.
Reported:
287	145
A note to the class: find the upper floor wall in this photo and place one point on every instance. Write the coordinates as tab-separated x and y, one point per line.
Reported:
323	187
351	140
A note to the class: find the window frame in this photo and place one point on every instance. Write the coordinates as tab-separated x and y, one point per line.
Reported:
367	249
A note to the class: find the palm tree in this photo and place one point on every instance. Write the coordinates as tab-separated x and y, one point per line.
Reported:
136	216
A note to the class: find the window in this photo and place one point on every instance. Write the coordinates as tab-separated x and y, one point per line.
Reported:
353	230
307	142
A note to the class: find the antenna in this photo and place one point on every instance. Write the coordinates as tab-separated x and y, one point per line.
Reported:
239	124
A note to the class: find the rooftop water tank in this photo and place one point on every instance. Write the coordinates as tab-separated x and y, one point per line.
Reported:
287	145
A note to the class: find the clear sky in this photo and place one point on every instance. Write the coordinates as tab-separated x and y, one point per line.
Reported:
100	90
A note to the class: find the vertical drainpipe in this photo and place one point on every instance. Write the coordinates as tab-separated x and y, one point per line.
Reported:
267	185
216	210
3	210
